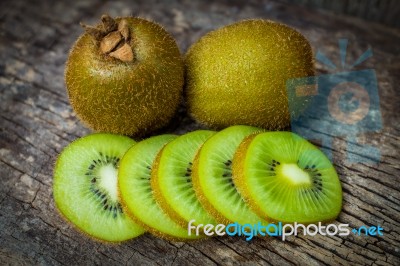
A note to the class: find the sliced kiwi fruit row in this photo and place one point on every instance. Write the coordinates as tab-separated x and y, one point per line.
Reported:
115	189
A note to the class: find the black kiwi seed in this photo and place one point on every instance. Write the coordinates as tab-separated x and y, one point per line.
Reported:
317	180
228	163
228	176
188	172
114	208
272	165
103	199
228	172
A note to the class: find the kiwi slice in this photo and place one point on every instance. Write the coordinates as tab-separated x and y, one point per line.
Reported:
134	185
85	187
212	177
283	177
172	179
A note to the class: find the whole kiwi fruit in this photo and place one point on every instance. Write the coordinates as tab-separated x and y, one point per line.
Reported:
237	74
125	76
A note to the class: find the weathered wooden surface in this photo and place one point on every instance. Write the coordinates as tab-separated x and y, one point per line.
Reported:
384	11
36	122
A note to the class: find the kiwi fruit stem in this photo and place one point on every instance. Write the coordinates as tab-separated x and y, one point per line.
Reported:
113	38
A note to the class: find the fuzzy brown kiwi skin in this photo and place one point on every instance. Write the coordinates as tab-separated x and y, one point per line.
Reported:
136	110
238	180
202	111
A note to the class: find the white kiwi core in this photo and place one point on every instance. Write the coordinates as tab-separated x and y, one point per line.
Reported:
108	180
293	173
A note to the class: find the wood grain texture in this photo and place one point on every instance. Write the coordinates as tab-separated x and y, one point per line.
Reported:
384	11
36	122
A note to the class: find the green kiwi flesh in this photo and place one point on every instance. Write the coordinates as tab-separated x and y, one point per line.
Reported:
172	179
132	97
285	178
85	187
212	177
137	194
237	75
